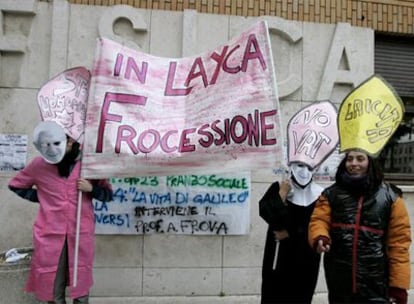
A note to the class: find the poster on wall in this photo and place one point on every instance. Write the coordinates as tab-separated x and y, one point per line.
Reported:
327	170
215	204
149	115
13	152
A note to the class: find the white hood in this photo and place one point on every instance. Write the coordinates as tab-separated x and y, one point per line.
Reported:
306	196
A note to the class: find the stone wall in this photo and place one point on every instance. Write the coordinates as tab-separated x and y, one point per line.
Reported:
39	39
381	15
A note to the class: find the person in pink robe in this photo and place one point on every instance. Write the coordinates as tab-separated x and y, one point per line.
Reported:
55	187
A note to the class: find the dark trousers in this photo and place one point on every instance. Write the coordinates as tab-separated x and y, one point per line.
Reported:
61	280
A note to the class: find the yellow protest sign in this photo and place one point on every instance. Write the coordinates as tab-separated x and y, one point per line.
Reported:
368	116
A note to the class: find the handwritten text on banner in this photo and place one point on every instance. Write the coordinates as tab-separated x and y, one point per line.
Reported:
158	116
216	204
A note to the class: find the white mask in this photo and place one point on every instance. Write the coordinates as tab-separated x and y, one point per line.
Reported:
304	192
50	140
302	173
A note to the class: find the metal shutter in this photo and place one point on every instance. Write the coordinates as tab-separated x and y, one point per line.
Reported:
394	60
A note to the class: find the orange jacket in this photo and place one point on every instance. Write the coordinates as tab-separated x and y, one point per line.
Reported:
398	238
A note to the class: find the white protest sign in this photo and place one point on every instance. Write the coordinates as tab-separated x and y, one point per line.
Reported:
215	204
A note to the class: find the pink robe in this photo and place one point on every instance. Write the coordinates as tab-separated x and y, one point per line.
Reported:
55	222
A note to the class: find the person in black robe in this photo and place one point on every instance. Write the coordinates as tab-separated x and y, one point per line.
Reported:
290	266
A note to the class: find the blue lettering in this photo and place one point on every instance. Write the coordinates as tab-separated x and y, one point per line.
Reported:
221	198
159	199
100	206
181	198
112	219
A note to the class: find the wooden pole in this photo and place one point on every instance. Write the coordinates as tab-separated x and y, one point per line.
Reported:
78	218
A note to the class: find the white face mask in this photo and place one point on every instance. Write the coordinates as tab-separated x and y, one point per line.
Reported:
301	173
50	141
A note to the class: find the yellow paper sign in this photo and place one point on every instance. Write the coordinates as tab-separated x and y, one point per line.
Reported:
369	116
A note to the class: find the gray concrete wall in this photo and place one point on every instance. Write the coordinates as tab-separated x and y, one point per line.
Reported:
39	39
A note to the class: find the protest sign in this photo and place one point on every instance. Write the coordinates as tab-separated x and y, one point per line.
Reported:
157	116
63	98
369	116
312	134
215	204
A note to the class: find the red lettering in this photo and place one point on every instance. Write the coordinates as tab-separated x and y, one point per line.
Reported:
169	90
243	128
253	126
184	141
202	72
118	64
228	69
267	141
205	142
132	66
256	54
218	141
105	116
251	52
131	133
164	142
219	58
155	141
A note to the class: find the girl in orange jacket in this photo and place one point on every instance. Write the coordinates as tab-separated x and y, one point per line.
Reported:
362	226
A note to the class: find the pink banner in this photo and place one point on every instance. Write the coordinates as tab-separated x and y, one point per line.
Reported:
157	116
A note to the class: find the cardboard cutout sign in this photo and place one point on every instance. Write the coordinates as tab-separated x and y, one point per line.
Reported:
312	134
63	100
369	116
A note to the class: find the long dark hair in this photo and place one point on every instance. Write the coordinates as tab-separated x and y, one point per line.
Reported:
375	175
66	164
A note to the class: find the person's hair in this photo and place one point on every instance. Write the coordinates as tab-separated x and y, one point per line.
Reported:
64	166
374	172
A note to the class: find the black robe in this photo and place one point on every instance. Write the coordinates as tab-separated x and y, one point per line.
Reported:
296	274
